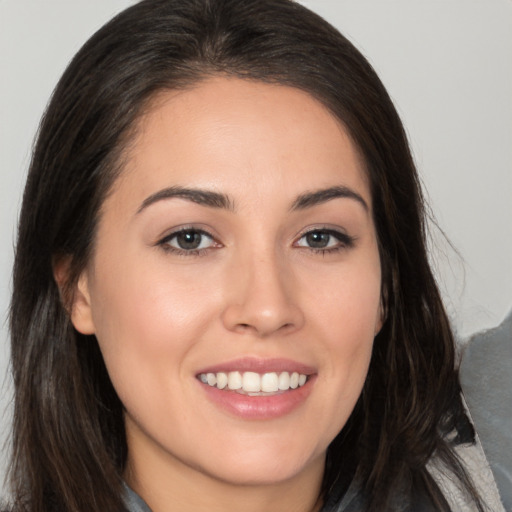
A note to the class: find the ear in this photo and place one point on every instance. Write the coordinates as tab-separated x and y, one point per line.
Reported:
77	299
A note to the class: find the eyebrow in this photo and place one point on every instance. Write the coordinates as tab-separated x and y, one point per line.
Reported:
218	200
202	197
310	199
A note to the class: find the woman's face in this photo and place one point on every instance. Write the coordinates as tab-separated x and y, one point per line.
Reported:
236	249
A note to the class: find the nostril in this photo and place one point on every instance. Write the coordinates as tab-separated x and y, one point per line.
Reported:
245	328
287	327
262	318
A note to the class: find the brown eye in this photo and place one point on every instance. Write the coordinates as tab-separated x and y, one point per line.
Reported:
325	240
189	240
318	239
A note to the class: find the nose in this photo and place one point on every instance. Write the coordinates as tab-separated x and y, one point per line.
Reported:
262	298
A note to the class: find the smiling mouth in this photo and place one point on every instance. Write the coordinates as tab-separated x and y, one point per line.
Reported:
254	384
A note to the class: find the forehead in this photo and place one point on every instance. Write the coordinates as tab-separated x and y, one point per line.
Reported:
226	132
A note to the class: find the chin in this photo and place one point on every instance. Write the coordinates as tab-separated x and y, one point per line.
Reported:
265	464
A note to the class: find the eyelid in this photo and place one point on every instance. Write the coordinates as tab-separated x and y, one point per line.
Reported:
325	228
187	229
163	241
345	240
200	228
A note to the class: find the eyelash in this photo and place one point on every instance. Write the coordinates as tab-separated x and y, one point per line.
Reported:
344	241
165	242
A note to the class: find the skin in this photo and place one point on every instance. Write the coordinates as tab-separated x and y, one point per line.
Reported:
254	288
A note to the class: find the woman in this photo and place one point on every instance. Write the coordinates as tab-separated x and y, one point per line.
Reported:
221	282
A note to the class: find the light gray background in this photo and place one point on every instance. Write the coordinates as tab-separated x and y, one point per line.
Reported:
447	65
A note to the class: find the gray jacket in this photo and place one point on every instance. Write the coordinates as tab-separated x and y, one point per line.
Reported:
472	455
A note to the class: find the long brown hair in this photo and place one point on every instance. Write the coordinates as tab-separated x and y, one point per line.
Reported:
69	446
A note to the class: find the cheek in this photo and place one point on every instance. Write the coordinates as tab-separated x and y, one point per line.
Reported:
348	309
347	320
149	317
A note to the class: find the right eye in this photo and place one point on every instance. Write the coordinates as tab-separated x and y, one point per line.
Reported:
188	240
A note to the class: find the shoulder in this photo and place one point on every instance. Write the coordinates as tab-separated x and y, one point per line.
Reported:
474	461
133	502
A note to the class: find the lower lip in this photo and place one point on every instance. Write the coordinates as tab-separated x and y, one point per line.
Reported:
259	407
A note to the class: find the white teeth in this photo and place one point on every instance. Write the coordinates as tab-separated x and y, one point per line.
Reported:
251	382
254	383
284	381
222	380
234	380
269	382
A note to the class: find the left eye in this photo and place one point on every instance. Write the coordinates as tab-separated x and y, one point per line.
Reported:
322	239
189	240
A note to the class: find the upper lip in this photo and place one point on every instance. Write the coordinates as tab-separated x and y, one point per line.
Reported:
260	365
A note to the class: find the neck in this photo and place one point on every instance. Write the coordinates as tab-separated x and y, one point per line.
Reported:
189	490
